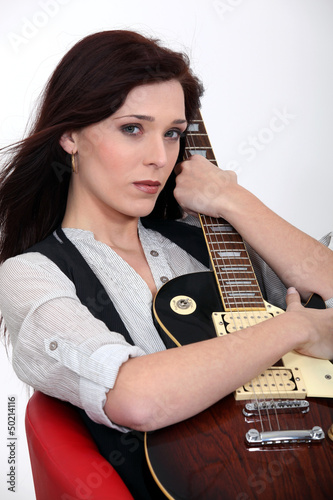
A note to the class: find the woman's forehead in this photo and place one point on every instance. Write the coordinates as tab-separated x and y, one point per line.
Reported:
144	99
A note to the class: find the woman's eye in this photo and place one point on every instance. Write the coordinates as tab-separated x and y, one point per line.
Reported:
131	129
173	134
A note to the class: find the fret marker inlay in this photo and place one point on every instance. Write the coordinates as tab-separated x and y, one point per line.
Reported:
229	253
202	152
219	229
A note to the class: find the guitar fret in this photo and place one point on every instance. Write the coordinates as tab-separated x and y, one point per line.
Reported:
222	229
196	134
246	276
241	294
217	222
235	298
216	233
226	244
238	283
221	244
232	260
218	262
244	305
225	224
242	298
219	252
235	273
229	238
237	269
248	282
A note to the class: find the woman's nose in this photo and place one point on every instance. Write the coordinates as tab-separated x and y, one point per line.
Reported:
155	153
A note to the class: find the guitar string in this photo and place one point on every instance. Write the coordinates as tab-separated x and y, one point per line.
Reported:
275	396
231	266
285	390
215	242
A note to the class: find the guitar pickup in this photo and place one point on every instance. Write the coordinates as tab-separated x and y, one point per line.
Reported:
275	383
225	322
254	437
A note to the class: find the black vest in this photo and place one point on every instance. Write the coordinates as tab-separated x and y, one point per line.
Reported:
125	452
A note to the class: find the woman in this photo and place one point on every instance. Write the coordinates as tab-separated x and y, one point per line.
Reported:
101	157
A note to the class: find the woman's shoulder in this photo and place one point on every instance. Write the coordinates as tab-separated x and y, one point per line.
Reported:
28	267
25	260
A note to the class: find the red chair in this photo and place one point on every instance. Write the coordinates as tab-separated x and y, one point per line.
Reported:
65	461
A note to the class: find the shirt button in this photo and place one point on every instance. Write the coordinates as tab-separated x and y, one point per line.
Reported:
53	346
154	253
164	279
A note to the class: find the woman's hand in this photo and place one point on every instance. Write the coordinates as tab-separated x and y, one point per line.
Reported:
203	188
318	323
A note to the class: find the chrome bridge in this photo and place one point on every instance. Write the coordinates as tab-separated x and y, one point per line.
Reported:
254	437
275	406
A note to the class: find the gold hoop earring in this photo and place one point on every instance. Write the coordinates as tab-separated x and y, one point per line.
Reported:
74	165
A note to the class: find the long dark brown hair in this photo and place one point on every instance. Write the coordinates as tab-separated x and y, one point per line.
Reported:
89	84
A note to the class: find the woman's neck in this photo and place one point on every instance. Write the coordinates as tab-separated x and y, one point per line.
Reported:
121	233
108	226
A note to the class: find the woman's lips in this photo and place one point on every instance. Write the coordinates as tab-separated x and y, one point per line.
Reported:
150	187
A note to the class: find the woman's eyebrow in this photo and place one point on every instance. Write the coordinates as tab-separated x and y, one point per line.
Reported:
139	117
150	118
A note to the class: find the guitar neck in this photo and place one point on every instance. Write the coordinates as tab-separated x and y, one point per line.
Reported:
233	270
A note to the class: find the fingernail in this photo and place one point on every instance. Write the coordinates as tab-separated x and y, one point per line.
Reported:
291	290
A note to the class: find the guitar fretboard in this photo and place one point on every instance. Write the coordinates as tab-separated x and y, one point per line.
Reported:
235	277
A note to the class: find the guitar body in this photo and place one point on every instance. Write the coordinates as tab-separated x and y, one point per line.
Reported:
206	457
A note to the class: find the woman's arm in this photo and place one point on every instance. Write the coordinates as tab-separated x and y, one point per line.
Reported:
166	387
298	259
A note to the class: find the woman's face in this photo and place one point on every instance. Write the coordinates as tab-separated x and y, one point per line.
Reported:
125	160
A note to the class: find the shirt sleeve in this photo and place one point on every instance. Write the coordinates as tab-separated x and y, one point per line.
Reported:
273	290
58	346
327	240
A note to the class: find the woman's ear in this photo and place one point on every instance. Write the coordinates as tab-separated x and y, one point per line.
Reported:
67	143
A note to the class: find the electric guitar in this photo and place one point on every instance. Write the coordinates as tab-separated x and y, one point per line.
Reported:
272	438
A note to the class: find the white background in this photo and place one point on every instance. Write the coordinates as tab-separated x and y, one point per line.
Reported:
259	60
